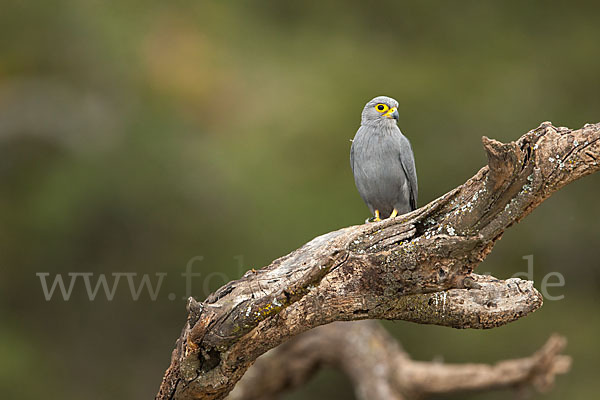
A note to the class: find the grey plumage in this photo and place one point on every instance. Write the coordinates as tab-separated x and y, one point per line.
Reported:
382	160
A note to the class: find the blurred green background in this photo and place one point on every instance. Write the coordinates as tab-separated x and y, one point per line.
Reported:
137	135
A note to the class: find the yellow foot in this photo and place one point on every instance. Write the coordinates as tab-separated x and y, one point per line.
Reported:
394	213
377	219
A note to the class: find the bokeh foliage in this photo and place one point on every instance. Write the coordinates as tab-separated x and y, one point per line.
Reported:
136	135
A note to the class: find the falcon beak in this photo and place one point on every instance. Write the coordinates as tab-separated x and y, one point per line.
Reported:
392	113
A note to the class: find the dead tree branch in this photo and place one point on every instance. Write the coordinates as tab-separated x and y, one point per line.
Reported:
381	370
403	268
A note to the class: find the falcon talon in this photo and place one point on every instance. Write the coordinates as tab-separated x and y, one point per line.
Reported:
382	161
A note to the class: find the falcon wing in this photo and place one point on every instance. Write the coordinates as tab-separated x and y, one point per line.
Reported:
407	159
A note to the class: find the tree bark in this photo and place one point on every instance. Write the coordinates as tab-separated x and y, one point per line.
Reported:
416	267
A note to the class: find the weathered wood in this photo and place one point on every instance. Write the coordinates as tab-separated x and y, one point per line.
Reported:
402	268
380	369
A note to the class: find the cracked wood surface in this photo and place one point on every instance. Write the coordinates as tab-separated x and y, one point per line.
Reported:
415	267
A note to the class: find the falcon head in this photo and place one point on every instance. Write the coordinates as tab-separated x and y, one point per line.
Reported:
380	110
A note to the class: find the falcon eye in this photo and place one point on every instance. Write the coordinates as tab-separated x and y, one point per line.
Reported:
381	108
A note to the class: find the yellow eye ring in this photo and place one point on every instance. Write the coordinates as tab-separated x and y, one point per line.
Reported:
381	108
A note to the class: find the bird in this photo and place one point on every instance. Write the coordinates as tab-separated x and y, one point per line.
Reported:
382	161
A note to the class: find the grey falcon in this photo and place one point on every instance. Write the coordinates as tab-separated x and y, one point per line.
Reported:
382	161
